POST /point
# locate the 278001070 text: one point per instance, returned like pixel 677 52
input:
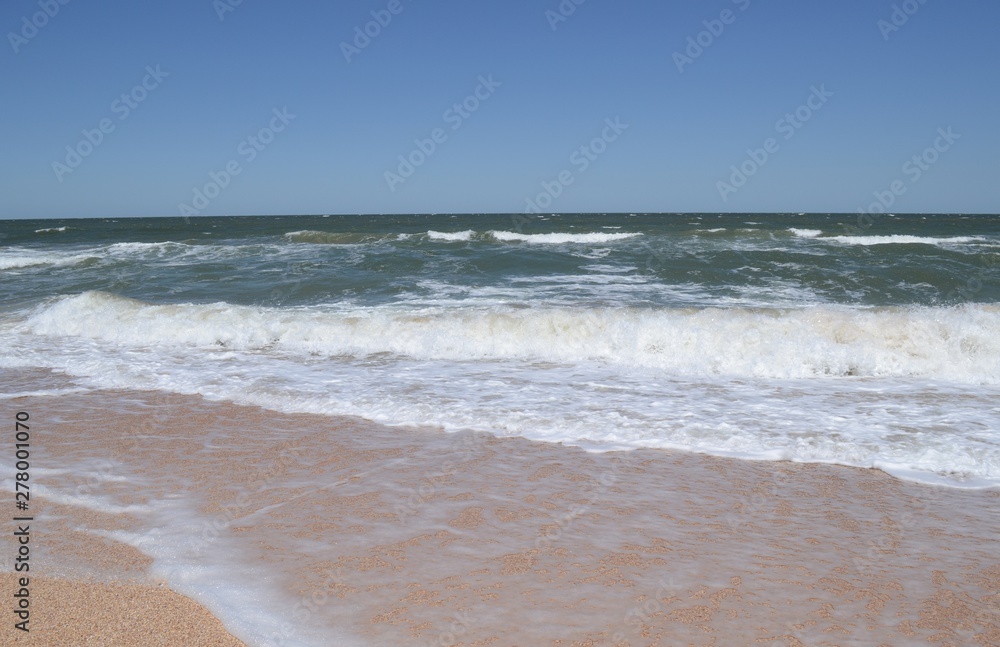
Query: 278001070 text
pixel 22 532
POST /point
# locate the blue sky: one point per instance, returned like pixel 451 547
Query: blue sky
pixel 556 73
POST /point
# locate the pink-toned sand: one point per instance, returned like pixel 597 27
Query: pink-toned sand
pixel 394 536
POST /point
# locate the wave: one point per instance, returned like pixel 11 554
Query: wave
pixel 347 238
pixel 332 238
pixel 13 258
pixel 161 248
pixel 17 262
pixel 960 344
pixel 50 230
pixel 457 236
pixel 806 233
pixel 900 239
pixel 561 238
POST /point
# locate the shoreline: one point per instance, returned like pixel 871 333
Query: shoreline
pixel 415 536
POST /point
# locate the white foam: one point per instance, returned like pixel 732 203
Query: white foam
pixel 806 233
pixel 50 230
pixel 560 238
pixel 610 269
pixel 131 248
pixel 16 258
pixel 960 344
pixel 42 393
pixel 581 280
pixel 863 387
pixel 331 238
pixel 900 239
pixel 216 572
pixel 456 236
pixel 103 504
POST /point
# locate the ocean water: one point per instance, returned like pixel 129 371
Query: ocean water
pixel 823 338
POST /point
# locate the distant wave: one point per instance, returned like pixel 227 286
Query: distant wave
pixel 332 238
pixel 959 344
pixel 899 239
pixel 166 246
pixel 457 236
pixel 50 230
pixel 16 262
pixel 561 238
pixel 541 239
pixel 806 233
pixel 13 258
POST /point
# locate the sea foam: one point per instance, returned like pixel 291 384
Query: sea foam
pixel 827 384
pixel 959 344
pixel 456 236
pixel 899 239
pixel 560 238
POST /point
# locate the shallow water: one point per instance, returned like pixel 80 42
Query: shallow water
pixel 316 530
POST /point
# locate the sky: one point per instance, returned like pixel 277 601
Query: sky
pixel 223 107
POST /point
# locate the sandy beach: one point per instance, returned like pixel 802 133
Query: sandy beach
pixel 74 613
pixel 302 529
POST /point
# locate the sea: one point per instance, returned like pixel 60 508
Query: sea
pixel 856 339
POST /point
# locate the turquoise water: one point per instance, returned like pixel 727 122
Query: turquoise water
pixel 819 338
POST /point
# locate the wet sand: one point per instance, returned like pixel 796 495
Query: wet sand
pixel 356 533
